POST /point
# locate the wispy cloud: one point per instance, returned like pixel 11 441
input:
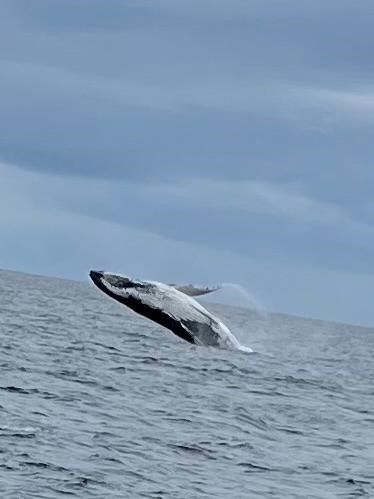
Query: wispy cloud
pixel 181 210
pixel 232 139
pixel 249 197
pixel 338 106
pixel 256 197
pixel 47 226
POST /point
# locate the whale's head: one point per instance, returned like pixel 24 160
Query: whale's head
pixel 117 286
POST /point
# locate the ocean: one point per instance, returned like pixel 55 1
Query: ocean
pixel 97 402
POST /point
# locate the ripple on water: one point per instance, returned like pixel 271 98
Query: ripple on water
pixel 97 402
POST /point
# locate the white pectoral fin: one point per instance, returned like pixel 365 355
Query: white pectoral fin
pixel 245 349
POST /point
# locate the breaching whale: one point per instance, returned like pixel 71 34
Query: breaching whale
pixel 170 306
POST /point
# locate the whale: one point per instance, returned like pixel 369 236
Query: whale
pixel 171 306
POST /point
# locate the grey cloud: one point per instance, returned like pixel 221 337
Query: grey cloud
pixel 252 219
pixel 66 121
pixel 168 94
pixel 124 107
pixel 314 35
pixel 47 239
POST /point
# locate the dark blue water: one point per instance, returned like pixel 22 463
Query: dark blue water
pixel 98 402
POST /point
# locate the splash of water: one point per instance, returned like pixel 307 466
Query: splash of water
pixel 238 295
pixel 234 294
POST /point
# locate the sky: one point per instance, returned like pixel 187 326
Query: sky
pixel 193 141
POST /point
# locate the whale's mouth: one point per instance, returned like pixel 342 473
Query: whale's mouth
pixel 98 279
pixel 107 283
pixel 96 275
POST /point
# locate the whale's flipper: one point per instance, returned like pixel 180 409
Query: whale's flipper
pixel 190 290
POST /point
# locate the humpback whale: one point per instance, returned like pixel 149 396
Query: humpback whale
pixel 170 306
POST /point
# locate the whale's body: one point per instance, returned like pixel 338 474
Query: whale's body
pixel 169 307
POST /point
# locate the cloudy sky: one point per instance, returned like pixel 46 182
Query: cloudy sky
pixel 193 141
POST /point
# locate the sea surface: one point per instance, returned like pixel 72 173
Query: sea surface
pixel 97 402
